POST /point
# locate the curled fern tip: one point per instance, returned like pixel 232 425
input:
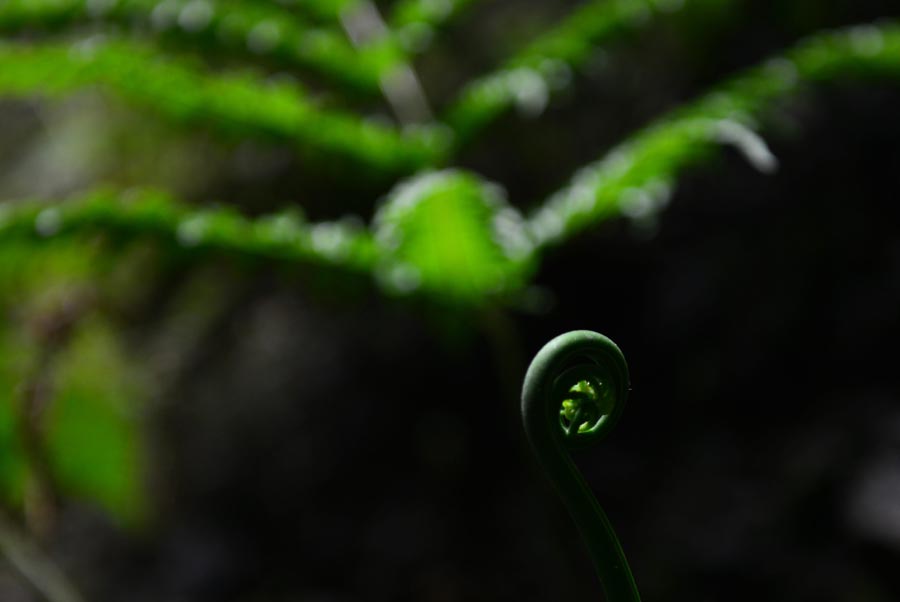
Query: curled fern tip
pixel 574 393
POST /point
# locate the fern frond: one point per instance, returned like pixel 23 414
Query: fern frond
pixel 544 66
pixel 282 237
pixel 447 235
pixel 636 177
pixel 245 27
pixel 451 235
pixel 236 104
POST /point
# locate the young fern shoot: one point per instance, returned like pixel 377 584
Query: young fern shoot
pixel 573 395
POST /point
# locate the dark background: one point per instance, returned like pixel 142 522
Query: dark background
pixel 328 447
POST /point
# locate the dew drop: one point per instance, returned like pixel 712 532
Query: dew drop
pixel 164 14
pixel 191 231
pixel 529 90
pixel 511 235
pixel 748 142
pixel 331 239
pixel 264 37
pixel 195 15
pixel 867 40
pixel 546 225
pixel 636 203
pixel 557 74
pixel 48 222
pixel 284 228
pixel 402 278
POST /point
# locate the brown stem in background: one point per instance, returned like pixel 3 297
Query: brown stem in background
pixel 53 332
pixel 33 565
pixel 400 86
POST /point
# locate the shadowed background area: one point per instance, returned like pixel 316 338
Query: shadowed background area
pixel 184 419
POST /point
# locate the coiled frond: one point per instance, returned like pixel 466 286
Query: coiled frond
pixel 573 395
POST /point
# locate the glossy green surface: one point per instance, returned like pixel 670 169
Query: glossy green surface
pixel 579 379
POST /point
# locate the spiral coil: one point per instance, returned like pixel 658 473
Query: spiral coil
pixel 573 396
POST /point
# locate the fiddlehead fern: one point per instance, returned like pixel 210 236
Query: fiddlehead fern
pixel 573 395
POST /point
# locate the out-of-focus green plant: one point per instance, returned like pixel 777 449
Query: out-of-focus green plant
pixel 252 29
pixel 238 104
pixel 441 233
pixel 55 346
pixel 452 234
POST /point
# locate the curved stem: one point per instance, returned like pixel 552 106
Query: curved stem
pixel 559 373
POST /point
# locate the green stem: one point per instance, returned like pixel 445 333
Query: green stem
pixel 565 362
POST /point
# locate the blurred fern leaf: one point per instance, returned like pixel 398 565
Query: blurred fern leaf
pixel 285 236
pixel 453 235
pixel 545 65
pixel 93 435
pixel 637 177
pixel 236 104
pixel 251 29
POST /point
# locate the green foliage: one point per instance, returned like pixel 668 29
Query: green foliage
pixel 93 421
pixel 236 104
pixel 450 234
pixel 545 66
pixel 444 234
pixel 248 28
pixel 283 237
pixel 637 177
pixel 252 29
